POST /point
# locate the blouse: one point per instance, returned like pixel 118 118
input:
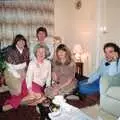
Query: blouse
pixel 64 72
pixel 39 73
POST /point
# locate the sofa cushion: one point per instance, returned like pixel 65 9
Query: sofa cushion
pixel 114 92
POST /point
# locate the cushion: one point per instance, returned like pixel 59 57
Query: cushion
pixel 14 84
pixel 114 92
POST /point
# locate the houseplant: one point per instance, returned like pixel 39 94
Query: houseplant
pixel 2 68
pixel 2 64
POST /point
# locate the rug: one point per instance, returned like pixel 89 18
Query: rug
pixel 30 113
pixel 97 114
pixel 21 113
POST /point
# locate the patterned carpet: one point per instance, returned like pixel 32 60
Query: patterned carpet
pixel 29 113
pixel 22 113
pixel 87 101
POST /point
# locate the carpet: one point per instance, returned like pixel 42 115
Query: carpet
pixel 96 113
pixel 29 113
pixel 105 116
pixel 90 106
pixel 21 113
pixel 92 111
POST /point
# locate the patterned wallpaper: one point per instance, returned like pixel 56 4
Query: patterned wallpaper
pixel 24 17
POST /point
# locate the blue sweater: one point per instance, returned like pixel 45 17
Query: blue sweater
pixel 112 69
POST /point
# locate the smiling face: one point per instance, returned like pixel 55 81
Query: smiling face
pixel 41 36
pixel 20 44
pixel 109 53
pixel 40 54
pixel 61 54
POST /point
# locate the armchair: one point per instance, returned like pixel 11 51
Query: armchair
pixel 109 94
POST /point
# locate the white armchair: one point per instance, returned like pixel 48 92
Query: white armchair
pixel 110 94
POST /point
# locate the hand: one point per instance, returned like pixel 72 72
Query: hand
pixel 115 56
pixel 31 95
pixel 54 76
pixel 56 91
pixel 54 86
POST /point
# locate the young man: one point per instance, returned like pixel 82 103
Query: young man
pixel 110 65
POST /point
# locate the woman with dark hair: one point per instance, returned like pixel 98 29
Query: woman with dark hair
pixel 18 52
pixel 17 59
pixel 110 65
pixel 17 38
pixel 63 73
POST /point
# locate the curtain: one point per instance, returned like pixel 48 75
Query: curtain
pixel 24 17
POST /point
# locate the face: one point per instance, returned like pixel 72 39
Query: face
pixel 41 36
pixel 40 54
pixel 109 54
pixel 20 44
pixel 61 54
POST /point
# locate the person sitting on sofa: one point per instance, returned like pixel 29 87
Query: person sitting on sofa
pixel 110 65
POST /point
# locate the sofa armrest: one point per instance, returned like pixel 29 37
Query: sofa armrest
pixel 108 81
pixel 104 84
pixel 115 80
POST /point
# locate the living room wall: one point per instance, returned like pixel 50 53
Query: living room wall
pixel 77 26
pixel 84 26
pixel 24 17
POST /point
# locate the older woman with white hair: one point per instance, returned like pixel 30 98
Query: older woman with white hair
pixel 38 74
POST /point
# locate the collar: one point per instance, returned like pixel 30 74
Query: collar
pixel 20 50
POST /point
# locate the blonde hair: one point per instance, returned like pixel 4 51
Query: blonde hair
pixel 68 55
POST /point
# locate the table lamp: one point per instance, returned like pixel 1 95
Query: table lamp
pixel 77 52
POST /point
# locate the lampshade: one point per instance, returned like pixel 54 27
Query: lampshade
pixel 84 56
pixel 77 51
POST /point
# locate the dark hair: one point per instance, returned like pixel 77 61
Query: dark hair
pixel 43 29
pixel 114 46
pixel 68 54
pixel 17 38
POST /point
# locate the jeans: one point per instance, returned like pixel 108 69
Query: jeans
pixel 88 88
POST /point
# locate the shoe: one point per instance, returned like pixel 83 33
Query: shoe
pixel 1 108
pixel 42 111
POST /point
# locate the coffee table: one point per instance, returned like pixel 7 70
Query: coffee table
pixel 46 110
pixel 69 112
